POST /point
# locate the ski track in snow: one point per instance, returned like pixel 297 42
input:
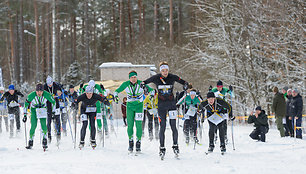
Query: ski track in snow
pixel 277 155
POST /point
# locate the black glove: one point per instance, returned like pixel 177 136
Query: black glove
pixel 24 118
pixel 185 87
pixel 230 88
pixel 65 92
pixel 102 87
pixel 233 118
pixel 177 106
pixel 198 93
pixel 210 88
pixel 81 85
pixel 142 85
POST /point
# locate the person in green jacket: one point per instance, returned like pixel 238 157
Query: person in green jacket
pixel 279 108
pixel 38 105
pixel 190 124
pixel 260 120
pixel 134 107
pixel 101 111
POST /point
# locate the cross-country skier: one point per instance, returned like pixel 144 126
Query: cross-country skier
pixel 152 115
pixel 216 108
pixel 89 107
pixel 51 87
pixel 134 107
pixel 11 97
pixel 38 106
pixel 62 109
pixel 72 96
pixel 164 82
pixel 192 101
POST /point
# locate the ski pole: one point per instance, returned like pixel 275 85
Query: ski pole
pixel 232 128
pixel 70 127
pixel 75 128
pixel 25 133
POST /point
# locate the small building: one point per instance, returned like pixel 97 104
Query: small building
pixel 118 71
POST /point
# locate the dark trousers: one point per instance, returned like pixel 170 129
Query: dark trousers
pixel 91 117
pixel 15 111
pixel 124 121
pixel 150 124
pixel 259 133
pixel 190 126
pixel 163 108
pixel 212 130
pixel 298 128
pixel 288 127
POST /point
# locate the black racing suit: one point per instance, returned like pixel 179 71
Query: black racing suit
pixel 87 112
pixel 13 108
pixel 220 107
pixel 166 103
pixel 52 90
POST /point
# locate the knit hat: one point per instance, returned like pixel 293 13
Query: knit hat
pixel 49 80
pixel 219 83
pixel 39 87
pixel 11 87
pixel 91 83
pixel 258 108
pixel 210 95
pixel 296 90
pixel 89 89
pixel 285 88
pixel 71 86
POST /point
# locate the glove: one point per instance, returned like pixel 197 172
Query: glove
pixel 102 87
pixel 230 88
pixel 81 85
pixel 24 118
pixel 233 118
pixel 65 92
pixel 108 110
pixel 185 87
pixel 116 99
pixel 142 85
pixel 198 93
pixel 177 106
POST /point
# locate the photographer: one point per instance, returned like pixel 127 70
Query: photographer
pixel 260 120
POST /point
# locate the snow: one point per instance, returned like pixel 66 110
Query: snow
pixel 125 65
pixel 277 155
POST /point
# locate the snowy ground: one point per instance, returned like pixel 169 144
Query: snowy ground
pixel 277 155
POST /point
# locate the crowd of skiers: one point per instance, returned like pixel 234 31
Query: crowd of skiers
pixel 51 103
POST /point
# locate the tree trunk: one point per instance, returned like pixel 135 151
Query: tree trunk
pixel 12 61
pixel 179 22
pixel 95 41
pixel 37 77
pixel 21 43
pixel 87 40
pixel 130 23
pixel 53 39
pixel 48 41
pixel 140 18
pixel 43 50
pixel 171 21
pixel 58 52
pixel 74 39
pixel 122 26
pixel 156 21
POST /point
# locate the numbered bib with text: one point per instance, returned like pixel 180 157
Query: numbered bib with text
pixel 57 111
pixel 62 104
pixel 191 111
pixel 173 114
pixel 91 109
pixel 139 116
pixel 11 116
pixel 41 112
pixel 153 111
pixel 215 118
pixel 84 117
pixel 64 110
pixel 99 116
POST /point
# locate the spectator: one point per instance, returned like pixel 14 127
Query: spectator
pixel 123 109
pixel 288 125
pixel 279 108
pixel 297 109
pixel 260 120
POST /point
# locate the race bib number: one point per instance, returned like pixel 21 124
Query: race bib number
pixel 153 111
pixel 13 104
pixel 99 116
pixel 91 109
pixel 64 110
pixel 191 111
pixel 173 114
pixel 84 117
pixel 41 112
pixel 186 116
pixel 215 119
pixel 62 104
pixel 11 116
pixel 139 116
pixel 57 111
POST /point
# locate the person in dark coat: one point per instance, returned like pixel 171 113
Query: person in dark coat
pixel 260 120
pixel 297 109
pixel 279 108
pixel 288 125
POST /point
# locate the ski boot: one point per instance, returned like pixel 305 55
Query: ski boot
pixel 223 149
pixel 210 149
pixel 162 152
pixel 44 143
pixel 196 140
pixel 49 138
pixel 138 144
pixel 187 140
pixel 81 145
pixel 93 144
pixel 131 146
pixel 30 145
pixel 176 150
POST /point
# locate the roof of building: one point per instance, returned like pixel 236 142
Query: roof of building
pixel 125 65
